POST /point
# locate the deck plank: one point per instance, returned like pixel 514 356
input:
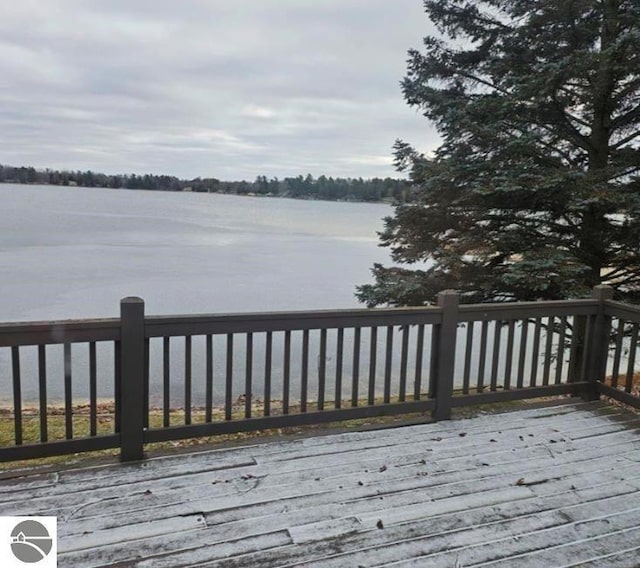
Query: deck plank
pixel 404 478
pixel 335 552
pixel 537 486
pixel 192 476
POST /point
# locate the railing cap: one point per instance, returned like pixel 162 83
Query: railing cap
pixel 448 298
pixel 602 292
pixel 132 300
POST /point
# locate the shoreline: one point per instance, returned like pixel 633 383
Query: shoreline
pixel 232 194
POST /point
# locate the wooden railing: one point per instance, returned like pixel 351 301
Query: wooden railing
pixel 41 338
pixel 121 385
pixel 617 343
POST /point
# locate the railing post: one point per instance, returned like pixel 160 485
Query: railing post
pixel 132 378
pixel 599 347
pixel 445 355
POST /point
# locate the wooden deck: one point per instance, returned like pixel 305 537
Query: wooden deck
pixel 539 487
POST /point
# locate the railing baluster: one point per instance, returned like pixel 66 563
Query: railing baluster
pixel 468 350
pixel 248 387
pixel 286 372
pixel 322 368
pixel 573 348
pixel 536 352
pixel 404 354
pixel 93 388
pixel 497 331
pixel 560 352
pixel 228 386
pixel 617 354
pixel 304 387
pixel 355 379
pixel 631 363
pixel 388 360
pixel 373 351
pixel 17 395
pixel 117 378
pixel 482 360
pixel 208 411
pixel 417 385
pixel 145 393
pixel 166 381
pixel 433 359
pixel 339 355
pixel 586 353
pixel 522 353
pixel 547 350
pixel 509 362
pixel 42 388
pixel 187 379
pixel 68 398
pixel 268 350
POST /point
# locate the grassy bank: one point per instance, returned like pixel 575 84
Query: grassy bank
pixel 105 424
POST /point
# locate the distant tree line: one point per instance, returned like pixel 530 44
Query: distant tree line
pixel 300 187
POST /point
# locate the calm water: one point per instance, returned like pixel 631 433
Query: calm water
pixel 75 252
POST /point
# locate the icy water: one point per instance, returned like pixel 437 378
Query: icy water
pixel 75 252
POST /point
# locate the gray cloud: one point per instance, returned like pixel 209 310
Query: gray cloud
pixel 216 88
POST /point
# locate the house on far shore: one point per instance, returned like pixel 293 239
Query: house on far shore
pixel 188 188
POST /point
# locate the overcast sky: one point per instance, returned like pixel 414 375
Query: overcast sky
pixel 212 88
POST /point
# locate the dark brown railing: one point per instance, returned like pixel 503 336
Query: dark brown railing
pixel 249 372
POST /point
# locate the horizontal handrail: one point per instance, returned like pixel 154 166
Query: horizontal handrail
pixel 57 332
pixel 60 447
pixel 522 310
pixel 282 421
pixel 619 395
pixel 627 312
pixel 519 394
pixel 205 324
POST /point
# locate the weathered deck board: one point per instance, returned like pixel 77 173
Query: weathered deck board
pixel 405 492
pixel 544 486
pixel 188 476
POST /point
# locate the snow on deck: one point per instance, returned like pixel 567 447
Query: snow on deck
pixel 552 486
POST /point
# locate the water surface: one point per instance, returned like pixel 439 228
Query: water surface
pixel 75 252
pixel 69 252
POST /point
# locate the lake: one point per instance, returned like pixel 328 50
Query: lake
pixel 69 252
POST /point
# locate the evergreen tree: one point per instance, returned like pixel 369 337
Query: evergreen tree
pixel 535 190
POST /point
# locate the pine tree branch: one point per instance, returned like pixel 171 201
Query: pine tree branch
pixel 626 119
pixel 622 270
pixel 574 134
pixel 629 280
pixel 630 88
pixel 570 116
pixel 626 140
pixel 484 82
pixel 625 173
